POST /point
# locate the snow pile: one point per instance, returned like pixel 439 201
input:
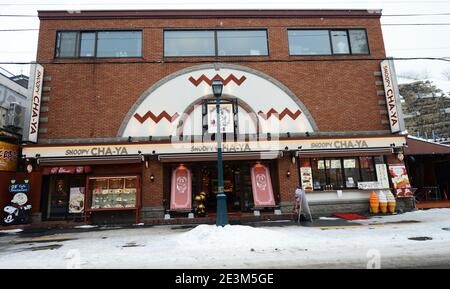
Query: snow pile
pixel 14 231
pixel 230 236
pixel 85 227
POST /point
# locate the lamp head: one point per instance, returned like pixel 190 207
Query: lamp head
pixel 217 87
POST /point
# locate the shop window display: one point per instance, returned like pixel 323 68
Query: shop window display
pixel 113 192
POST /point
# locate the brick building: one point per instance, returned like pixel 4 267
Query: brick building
pixel 127 115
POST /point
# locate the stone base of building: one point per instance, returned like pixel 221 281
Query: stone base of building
pixel 326 209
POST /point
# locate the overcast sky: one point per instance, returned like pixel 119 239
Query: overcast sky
pixel 400 41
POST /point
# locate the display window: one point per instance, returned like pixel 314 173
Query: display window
pixel 113 192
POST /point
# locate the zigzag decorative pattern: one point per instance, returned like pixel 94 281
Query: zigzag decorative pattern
pixel 225 81
pixel 280 116
pixel 155 118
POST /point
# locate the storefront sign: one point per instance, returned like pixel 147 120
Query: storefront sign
pixel 66 170
pixel 8 156
pixel 226 118
pixel 98 151
pixel 181 190
pixel 369 185
pixel 17 209
pixel 340 144
pixel 382 175
pixel 76 200
pixel 391 94
pixel 262 186
pixel 19 188
pixel 175 147
pixel 36 103
pixel 306 177
pixel 400 181
pixel 238 147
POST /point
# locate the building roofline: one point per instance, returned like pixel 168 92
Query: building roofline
pixel 170 14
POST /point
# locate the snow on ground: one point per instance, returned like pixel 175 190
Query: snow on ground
pixel 85 227
pixel 235 246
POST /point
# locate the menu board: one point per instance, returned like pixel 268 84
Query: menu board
pixel 306 177
pixel 76 200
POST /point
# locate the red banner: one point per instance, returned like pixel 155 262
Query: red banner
pixel 400 181
pixel 66 170
pixel 181 189
pixel 262 186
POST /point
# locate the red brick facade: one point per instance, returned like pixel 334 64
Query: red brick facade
pixel 91 100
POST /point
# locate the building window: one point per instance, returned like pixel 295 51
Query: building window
pixel 215 43
pixel 87 45
pixel 339 39
pixel 351 172
pixel 327 41
pixel 309 42
pixel 242 42
pixel 189 43
pixel 358 41
pixel 119 44
pixel 339 173
pixel 368 173
pixel 67 44
pixel 99 44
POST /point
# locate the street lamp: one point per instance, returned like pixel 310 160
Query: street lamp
pixel 222 215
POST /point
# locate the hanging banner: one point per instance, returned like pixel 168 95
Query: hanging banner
pixel 262 186
pixel 181 190
pixel 306 177
pixel 392 96
pixel 36 98
pixel 8 156
pixel 400 181
pixel 226 118
pixel 76 200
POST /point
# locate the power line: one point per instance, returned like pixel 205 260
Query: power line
pixel 247 27
pixel 75 62
pixel 384 15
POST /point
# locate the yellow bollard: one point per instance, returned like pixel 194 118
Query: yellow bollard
pixel 391 203
pixel 383 202
pixel 374 203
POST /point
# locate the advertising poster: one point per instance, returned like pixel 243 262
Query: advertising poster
pixel 181 189
pixel 8 156
pixel 262 186
pixel 306 177
pixel 76 200
pixel 226 118
pixel 400 181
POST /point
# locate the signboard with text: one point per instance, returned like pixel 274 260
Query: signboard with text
pixel 36 99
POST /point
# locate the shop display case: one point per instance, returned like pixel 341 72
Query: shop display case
pixel 113 193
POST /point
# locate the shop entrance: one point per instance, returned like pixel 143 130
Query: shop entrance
pixel 57 198
pixel 237 183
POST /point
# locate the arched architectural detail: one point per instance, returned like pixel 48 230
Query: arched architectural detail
pixel 158 110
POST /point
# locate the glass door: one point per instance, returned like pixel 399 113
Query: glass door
pixel 58 197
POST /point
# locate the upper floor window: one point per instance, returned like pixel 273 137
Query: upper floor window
pixel 328 42
pixel 99 44
pixel 215 43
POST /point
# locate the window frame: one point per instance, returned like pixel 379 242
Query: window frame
pixel 96 31
pixel 347 30
pixel 216 41
pixel 343 176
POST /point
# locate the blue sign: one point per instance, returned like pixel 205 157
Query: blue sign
pixel 19 188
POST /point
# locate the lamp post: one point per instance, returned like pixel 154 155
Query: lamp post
pixel 222 215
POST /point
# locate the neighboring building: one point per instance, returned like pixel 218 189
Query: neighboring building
pixel 127 120
pixel 428 166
